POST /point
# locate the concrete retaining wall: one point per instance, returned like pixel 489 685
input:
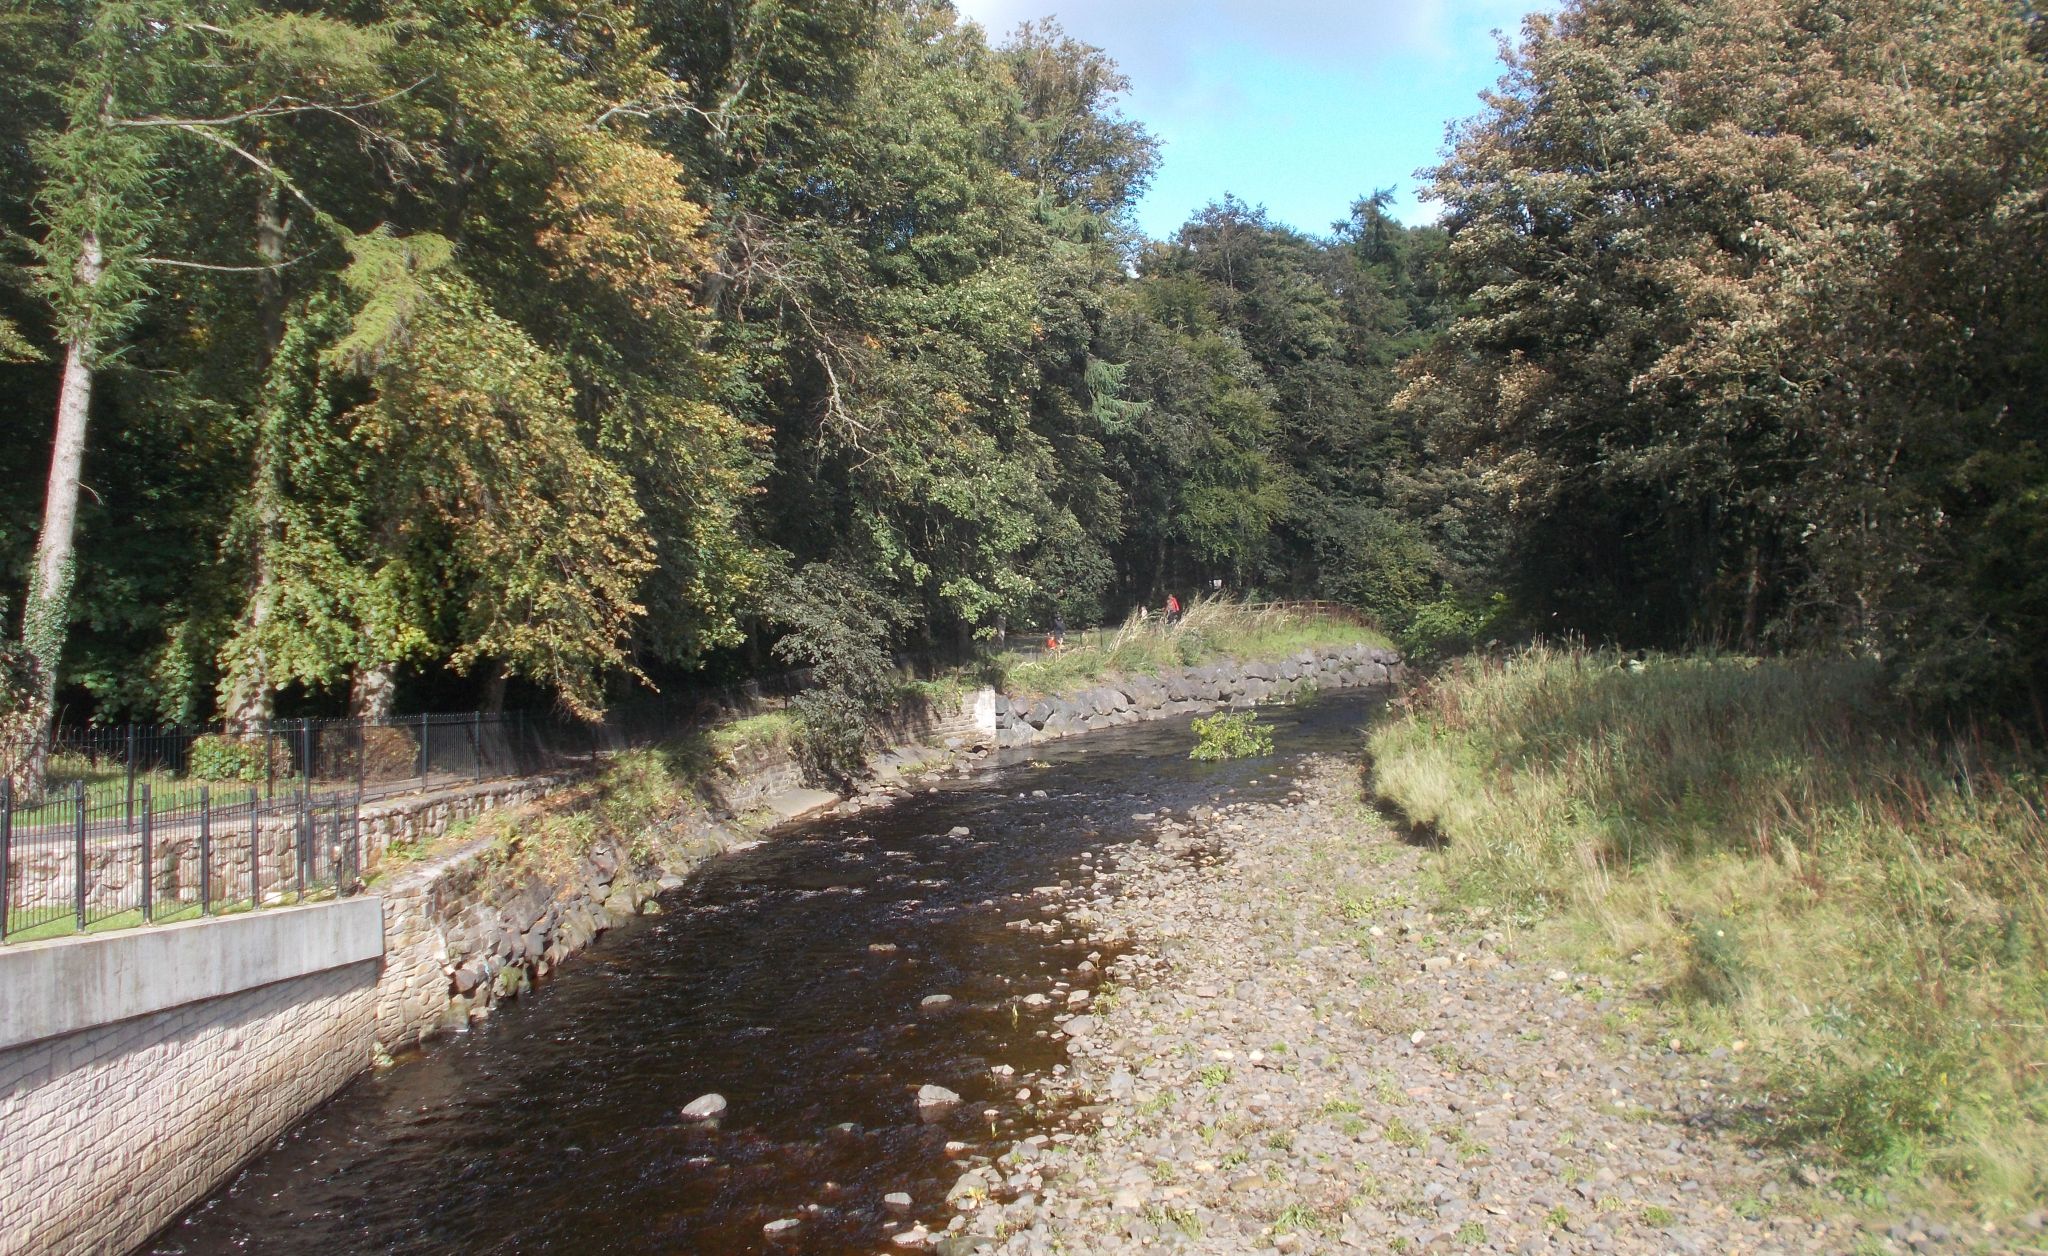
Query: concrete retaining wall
pixel 140 1068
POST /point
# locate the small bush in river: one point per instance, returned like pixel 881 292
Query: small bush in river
pixel 1236 735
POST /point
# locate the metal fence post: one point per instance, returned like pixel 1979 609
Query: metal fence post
pixel 476 741
pixel 78 839
pixel 362 753
pixel 131 776
pixel 269 759
pixel 255 851
pixel 148 861
pixel 424 760
pixel 6 842
pixel 205 850
pixel 305 760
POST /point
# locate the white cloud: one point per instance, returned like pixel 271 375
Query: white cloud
pixel 1158 41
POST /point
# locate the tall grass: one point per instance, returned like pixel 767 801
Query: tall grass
pixel 1857 906
pixel 1209 629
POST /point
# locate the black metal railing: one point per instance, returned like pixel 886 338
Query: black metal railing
pixel 141 824
pixel 77 860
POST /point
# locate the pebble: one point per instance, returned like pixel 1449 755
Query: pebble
pixel 704 1108
pixel 1297 1035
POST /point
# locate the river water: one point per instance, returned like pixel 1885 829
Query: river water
pixel 553 1127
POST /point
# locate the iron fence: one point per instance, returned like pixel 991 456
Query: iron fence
pixel 143 824
pixel 73 862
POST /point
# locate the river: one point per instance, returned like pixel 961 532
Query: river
pixel 554 1126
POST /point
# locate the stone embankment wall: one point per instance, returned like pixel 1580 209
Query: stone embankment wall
pixel 138 1069
pixel 1021 720
pixel 472 927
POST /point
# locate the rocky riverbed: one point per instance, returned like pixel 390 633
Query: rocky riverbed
pixel 1289 1053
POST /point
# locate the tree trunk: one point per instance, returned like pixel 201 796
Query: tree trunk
pixel 45 612
pixel 247 701
pixel 1751 595
pixel 494 689
pixel 374 692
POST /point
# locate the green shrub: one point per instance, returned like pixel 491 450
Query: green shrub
pixel 1450 626
pixel 1231 735
pixel 229 757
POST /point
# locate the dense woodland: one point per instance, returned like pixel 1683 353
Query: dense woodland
pixel 417 353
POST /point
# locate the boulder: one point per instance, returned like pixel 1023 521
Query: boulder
pixel 934 1102
pixel 705 1108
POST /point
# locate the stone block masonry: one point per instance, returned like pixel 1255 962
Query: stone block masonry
pixel 140 1068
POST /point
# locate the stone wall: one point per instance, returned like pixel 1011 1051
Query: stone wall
pixel 1022 719
pixel 112 1126
pixel 471 928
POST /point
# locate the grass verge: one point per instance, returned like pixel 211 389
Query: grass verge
pixel 1857 907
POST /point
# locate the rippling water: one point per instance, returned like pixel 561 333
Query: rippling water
pixel 553 1127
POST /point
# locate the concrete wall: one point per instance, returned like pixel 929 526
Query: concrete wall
pixel 140 1068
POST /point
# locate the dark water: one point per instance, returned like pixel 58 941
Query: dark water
pixel 553 1127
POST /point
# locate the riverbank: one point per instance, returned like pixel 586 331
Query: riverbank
pixel 477 914
pixel 1296 1054
pixel 1775 856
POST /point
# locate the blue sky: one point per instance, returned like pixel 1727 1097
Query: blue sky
pixel 1299 105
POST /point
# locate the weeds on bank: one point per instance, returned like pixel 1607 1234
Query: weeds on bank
pixel 1857 906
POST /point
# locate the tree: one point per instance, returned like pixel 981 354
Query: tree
pixel 1752 295
pixel 134 83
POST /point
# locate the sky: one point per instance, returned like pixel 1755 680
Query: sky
pixel 1302 106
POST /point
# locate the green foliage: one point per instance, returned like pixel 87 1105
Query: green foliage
pixel 1209 629
pixel 227 757
pixel 840 629
pixel 1750 340
pixel 1231 735
pixel 1450 625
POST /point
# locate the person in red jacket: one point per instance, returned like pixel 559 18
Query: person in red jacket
pixel 1172 609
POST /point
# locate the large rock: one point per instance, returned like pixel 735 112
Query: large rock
pixel 705 1108
pixel 934 1102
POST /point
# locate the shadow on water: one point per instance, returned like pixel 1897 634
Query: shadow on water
pixel 554 1126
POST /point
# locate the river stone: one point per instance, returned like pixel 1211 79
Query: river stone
pixel 933 1002
pixel 706 1108
pixel 897 1202
pixel 1078 1026
pixel 934 1102
pixel 785 1228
